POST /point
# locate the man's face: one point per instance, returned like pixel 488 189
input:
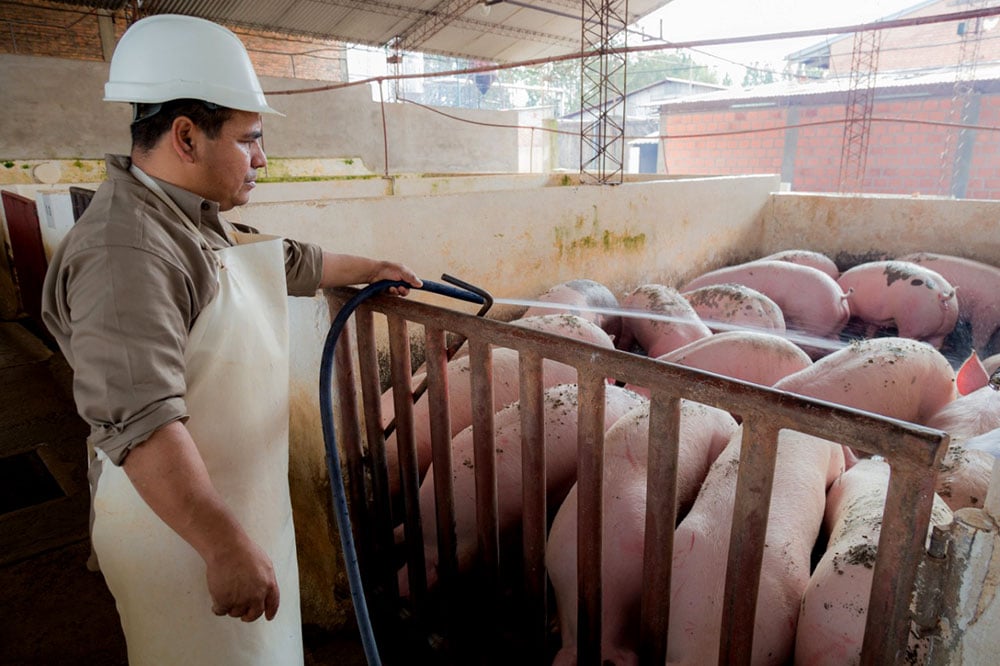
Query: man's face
pixel 232 159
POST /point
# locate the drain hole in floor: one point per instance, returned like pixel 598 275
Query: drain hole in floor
pixel 26 481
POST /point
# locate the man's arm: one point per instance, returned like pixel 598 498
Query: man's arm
pixel 170 476
pixel 343 269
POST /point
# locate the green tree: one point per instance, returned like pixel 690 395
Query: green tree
pixel 757 74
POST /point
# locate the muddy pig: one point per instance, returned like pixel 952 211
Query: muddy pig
pixel 810 300
pixel 918 302
pixel 727 307
pixel 671 323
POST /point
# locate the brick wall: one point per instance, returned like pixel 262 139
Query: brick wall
pixel 61 31
pixel 922 46
pixel 920 156
pixel 51 29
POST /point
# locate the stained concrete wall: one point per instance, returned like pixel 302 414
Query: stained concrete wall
pixel 518 242
pixel 53 109
pixel 852 228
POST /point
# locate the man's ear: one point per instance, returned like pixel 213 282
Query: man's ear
pixel 183 135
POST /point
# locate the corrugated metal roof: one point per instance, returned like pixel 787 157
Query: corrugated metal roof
pixel 491 30
pixel 887 84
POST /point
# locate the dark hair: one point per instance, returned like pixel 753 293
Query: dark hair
pixel 155 123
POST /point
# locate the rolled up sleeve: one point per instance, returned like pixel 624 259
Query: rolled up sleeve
pixel 129 313
pixel 303 267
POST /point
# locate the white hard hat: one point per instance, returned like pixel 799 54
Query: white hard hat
pixel 168 56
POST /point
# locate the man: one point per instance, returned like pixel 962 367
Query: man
pixel 175 324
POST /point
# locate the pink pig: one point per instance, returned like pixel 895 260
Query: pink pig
pixel 973 422
pixel 727 307
pixel 671 323
pixel 705 431
pixel 506 386
pixel 810 300
pixel 817 260
pixel 977 287
pixel 584 298
pixel 919 302
pixel 760 358
pixel 896 377
pixel 560 415
pixel 835 605
pixel 804 468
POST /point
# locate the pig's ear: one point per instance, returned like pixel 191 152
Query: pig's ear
pixel 972 375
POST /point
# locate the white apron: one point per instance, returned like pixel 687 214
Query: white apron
pixel 237 399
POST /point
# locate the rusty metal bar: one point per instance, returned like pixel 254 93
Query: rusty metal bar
pixel 381 503
pixel 484 459
pixel 349 439
pixel 907 512
pixel 399 347
pixel 533 481
pixel 748 533
pixel 440 422
pixel 590 481
pixel 661 518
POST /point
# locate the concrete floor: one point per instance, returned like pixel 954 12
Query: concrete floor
pixel 53 610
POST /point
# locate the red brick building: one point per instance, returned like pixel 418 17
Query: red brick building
pixel 58 30
pixel 935 126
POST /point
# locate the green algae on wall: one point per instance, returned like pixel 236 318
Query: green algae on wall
pixel 580 238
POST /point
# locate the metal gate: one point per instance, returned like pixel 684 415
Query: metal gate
pixel 913 453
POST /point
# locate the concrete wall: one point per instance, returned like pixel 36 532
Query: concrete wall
pixel 850 228
pixel 518 242
pixel 53 109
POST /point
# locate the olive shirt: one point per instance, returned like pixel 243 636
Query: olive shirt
pixel 123 290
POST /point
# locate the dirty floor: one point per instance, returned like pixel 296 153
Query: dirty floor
pixel 52 609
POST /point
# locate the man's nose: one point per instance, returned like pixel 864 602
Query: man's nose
pixel 258 160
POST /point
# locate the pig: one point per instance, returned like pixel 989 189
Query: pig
pixel 506 386
pixel 760 358
pixel 991 363
pixel 805 467
pixel 560 416
pixel 584 298
pixel 810 300
pixel 895 377
pixel 972 421
pixel 835 605
pixel 725 307
pixel 816 260
pixel 917 301
pixel 671 323
pixel 977 287
pixel 704 432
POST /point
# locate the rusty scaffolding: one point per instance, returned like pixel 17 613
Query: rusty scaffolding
pixel 602 92
pixel 858 116
pixel 964 108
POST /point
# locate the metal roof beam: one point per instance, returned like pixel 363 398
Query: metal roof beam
pixel 437 18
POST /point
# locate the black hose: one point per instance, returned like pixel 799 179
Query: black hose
pixel 339 495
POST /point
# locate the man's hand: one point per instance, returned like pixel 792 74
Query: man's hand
pixel 170 476
pixel 388 270
pixel 340 270
pixel 242 583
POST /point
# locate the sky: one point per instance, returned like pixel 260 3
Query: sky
pixel 686 20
